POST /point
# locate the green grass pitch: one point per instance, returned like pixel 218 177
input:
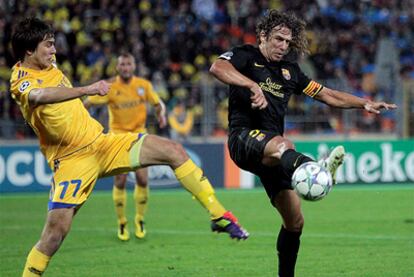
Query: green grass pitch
pixel 355 231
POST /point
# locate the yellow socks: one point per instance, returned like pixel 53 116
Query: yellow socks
pixel 36 263
pixel 120 197
pixel 192 179
pixel 141 202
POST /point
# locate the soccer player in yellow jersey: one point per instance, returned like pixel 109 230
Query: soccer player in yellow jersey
pixel 127 104
pixel 77 150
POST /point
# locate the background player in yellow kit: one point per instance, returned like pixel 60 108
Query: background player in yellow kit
pixel 127 105
pixel 77 150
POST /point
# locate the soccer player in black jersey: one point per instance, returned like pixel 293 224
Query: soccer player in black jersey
pixel 260 84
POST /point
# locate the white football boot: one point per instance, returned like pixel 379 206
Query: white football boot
pixel 333 161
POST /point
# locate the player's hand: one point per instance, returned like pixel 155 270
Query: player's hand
pixel 375 107
pixel 258 99
pixel 98 88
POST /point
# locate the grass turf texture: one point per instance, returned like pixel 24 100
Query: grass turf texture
pixel 355 231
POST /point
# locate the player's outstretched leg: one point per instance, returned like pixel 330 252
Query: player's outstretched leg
pixel 333 161
pixel 157 150
pixel 193 180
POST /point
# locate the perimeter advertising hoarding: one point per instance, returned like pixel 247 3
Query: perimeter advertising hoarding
pixel 369 161
pixel 24 169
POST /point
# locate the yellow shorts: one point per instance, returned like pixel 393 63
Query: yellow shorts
pixel 75 175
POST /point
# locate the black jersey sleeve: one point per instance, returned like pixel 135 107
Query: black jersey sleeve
pixel 238 56
pixel 306 85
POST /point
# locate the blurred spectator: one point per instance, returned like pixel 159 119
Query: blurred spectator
pixel 357 44
pixel 181 121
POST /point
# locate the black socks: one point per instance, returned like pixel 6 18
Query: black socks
pixel 291 160
pixel 287 246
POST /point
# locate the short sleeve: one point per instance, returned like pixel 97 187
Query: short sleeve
pixel 21 88
pixel 238 56
pixel 152 96
pixel 98 99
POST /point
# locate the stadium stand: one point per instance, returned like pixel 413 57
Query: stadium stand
pixel 359 46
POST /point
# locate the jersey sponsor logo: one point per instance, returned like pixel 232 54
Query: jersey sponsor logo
pixel 126 105
pixel 272 88
pixel 286 74
pixel 140 91
pixel 24 86
pixel 258 65
pixel 227 55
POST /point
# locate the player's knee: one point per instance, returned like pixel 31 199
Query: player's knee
pixel 177 153
pixel 142 183
pixel 59 228
pixel 284 144
pixel 53 236
pixel 277 146
pixel 120 181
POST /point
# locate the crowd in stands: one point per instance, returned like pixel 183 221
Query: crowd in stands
pixel 175 42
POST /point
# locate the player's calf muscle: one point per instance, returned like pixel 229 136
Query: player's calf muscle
pixel 157 150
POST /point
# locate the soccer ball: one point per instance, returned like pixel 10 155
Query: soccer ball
pixel 311 181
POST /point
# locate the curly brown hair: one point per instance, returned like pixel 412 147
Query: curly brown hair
pixel 274 18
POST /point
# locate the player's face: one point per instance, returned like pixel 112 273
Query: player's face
pixel 43 55
pixel 126 67
pixel 276 45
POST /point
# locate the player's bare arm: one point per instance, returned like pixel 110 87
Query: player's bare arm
pixel 160 111
pixel 41 96
pixel 345 100
pixel 225 72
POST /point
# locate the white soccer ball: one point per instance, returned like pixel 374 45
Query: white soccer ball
pixel 311 181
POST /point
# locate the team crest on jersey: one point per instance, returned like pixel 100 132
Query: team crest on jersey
pixel 140 91
pixel 24 86
pixel 286 74
pixel 39 81
pixel 227 55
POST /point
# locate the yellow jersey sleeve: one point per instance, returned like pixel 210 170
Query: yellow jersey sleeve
pixel 21 87
pixel 98 100
pixel 152 96
pixel 62 128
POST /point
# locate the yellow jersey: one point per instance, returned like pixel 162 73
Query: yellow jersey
pixel 127 104
pixel 62 128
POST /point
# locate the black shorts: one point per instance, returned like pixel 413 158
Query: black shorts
pixel 246 147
